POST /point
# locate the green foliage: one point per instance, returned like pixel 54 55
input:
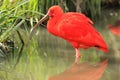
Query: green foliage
pixel 92 8
pixel 13 14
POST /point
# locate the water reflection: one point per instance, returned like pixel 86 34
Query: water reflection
pixel 82 71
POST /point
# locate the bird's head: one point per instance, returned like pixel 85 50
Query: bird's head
pixel 53 11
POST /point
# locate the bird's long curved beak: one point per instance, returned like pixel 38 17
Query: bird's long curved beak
pixel 39 22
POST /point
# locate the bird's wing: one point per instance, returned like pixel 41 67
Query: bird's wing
pixel 76 26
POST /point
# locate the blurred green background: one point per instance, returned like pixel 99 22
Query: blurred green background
pixel 45 55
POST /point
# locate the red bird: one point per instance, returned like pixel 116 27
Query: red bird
pixel 74 27
pixel 115 28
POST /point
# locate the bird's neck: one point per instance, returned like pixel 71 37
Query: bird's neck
pixel 52 24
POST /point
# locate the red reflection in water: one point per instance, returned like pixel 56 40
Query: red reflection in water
pixel 82 71
pixel 115 28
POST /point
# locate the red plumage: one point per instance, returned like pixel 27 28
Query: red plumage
pixel 74 27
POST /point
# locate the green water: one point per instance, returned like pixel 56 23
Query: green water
pixel 45 55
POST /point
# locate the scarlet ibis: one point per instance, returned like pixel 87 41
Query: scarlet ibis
pixel 115 28
pixel 74 27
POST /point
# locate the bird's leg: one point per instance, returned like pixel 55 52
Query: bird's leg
pixel 77 55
